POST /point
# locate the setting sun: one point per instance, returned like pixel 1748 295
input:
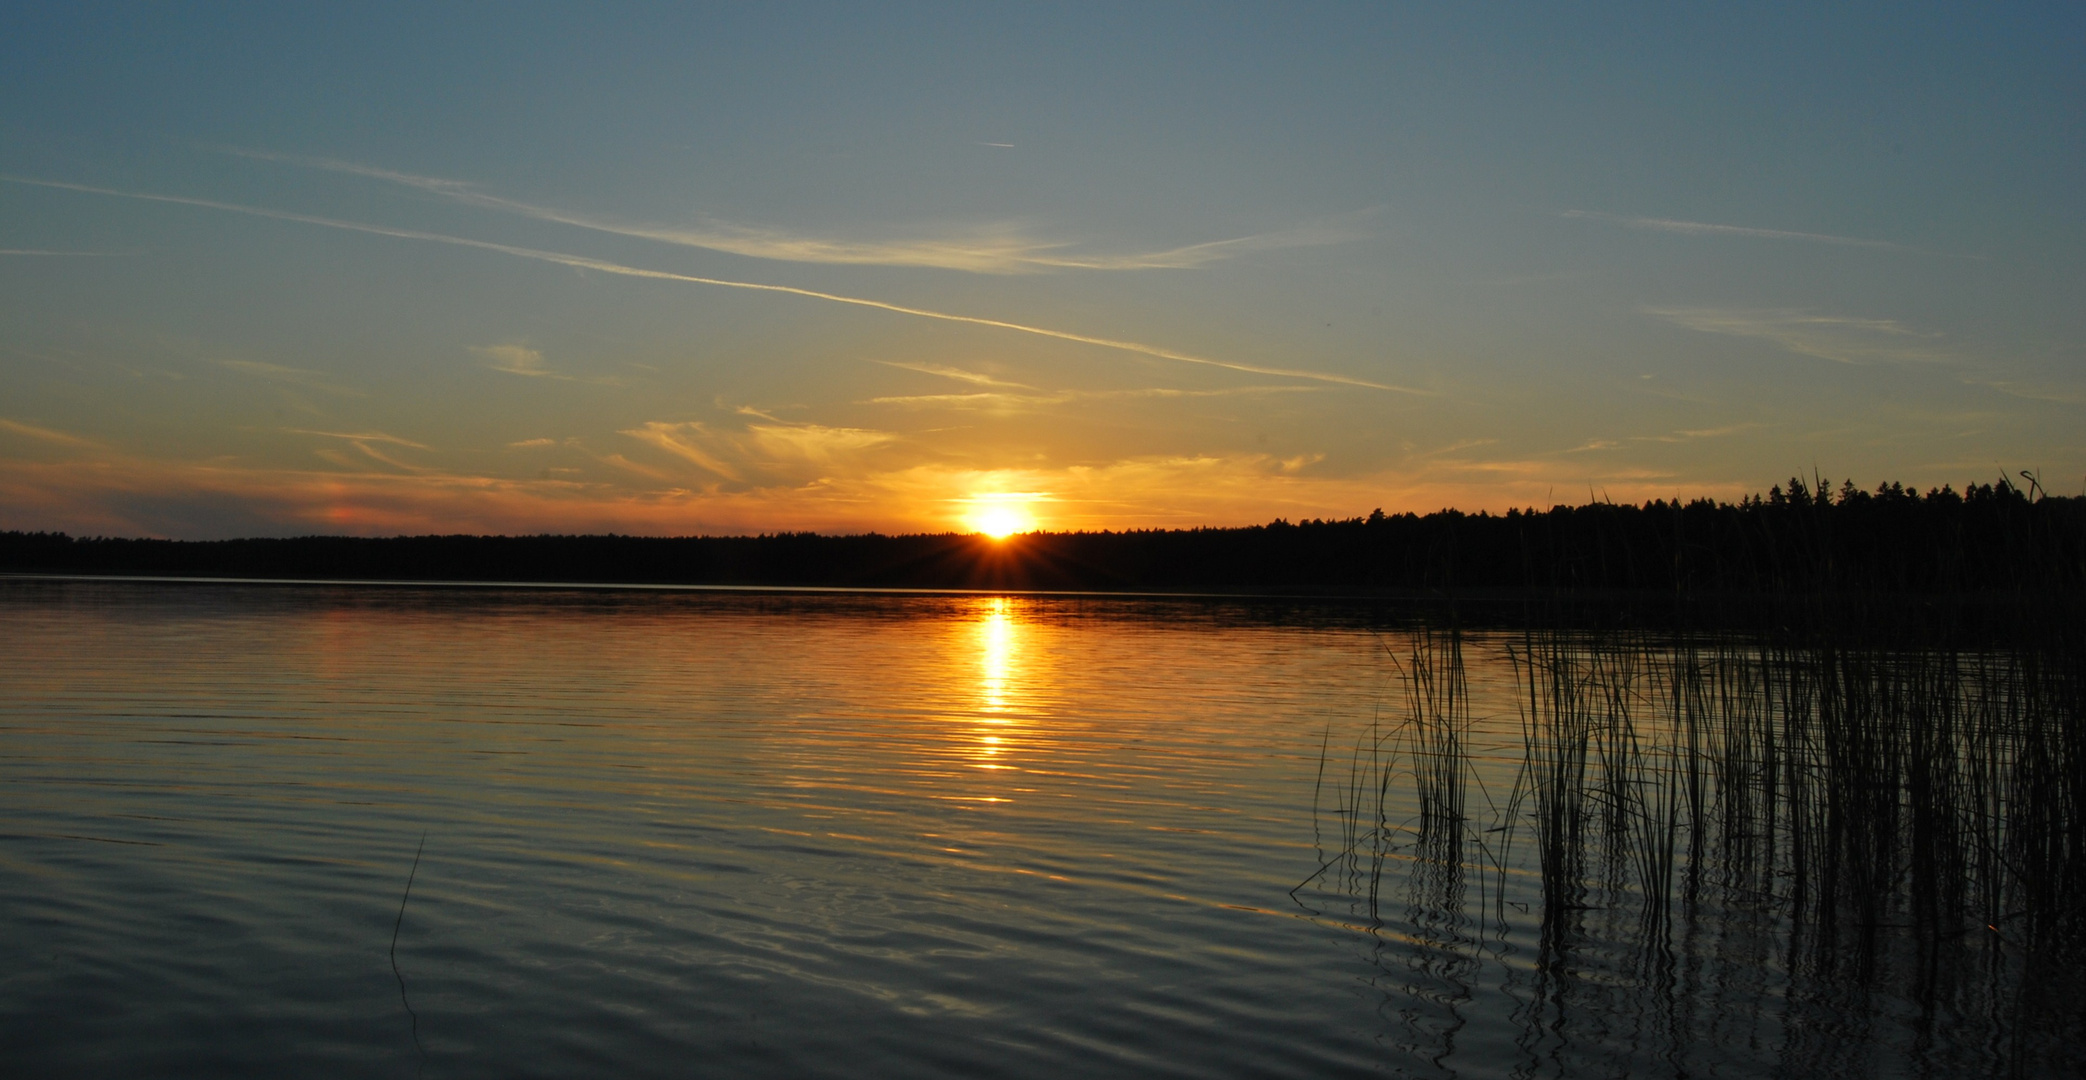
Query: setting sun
pixel 999 523
pixel 1001 515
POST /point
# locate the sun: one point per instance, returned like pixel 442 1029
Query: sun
pixel 998 522
pixel 1001 515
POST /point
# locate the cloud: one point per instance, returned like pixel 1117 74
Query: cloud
pixel 2031 391
pixel 516 360
pixel 766 452
pixel 1699 228
pixel 521 360
pixel 1708 433
pixel 683 440
pixel 958 374
pixel 381 457
pixel 583 263
pixel 295 376
pixel 361 441
pixel 1298 463
pixel 43 251
pixel 784 439
pixel 44 434
pixel 993 401
pixel 1671 437
pixel 1841 339
pixel 118 494
pixel 813 442
pixel 627 465
pixel 1175 392
pixel 122 495
pixel 574 445
pixel 360 436
pixel 987 400
pixel 1460 444
pixel 1000 400
pixel 998 250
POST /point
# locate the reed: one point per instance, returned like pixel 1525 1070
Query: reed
pixel 1844 783
pixel 1866 780
pixel 1424 746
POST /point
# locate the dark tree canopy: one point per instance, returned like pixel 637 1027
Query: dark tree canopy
pixel 1797 538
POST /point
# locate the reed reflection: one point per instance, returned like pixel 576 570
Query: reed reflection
pixel 1723 826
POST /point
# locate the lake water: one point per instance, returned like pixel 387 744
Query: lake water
pixel 796 835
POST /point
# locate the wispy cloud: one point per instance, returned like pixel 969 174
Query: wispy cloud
pixel 44 434
pixel 361 443
pixel 2031 391
pixel 359 436
pixel 1670 437
pixel 629 466
pixel 813 442
pixel 377 455
pixel 119 494
pixel 997 401
pixel 998 250
pixel 578 446
pixel 1702 228
pixel 1176 392
pixel 314 380
pixel 985 399
pixel 1000 399
pixel 766 451
pixel 583 263
pixel 1454 447
pixel 959 374
pixel 683 440
pixel 1707 433
pixel 1844 339
pixel 516 360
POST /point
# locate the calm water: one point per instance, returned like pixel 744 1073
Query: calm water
pixel 735 835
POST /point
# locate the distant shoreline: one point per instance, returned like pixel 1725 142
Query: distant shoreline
pixel 1990 538
pixel 667 587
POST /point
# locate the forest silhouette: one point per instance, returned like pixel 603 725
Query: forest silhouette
pixel 1800 537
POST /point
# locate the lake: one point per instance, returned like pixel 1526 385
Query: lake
pixel 768 834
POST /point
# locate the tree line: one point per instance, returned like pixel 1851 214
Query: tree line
pixel 1798 538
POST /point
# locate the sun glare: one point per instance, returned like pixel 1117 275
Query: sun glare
pixel 998 523
pixel 1001 516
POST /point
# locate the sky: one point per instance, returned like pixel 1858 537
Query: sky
pixel 519 268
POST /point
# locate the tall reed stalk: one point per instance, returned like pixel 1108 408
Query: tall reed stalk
pixel 1863 789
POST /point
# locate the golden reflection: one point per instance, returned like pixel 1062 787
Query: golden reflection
pixel 999 645
pixel 1001 683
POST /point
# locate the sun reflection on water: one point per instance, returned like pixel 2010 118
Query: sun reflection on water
pixel 998 642
pixel 999 691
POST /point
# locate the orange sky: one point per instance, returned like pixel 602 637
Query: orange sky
pixel 727 272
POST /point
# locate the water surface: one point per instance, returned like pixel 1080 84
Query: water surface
pixel 751 835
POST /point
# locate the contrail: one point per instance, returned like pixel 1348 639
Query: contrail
pixel 584 263
pixel 989 254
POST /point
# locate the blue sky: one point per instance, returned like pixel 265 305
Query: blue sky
pixel 535 268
